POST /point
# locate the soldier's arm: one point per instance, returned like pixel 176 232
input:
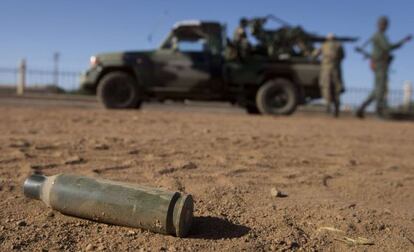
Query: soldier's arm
pixel 396 45
pixel 389 47
pixel 382 42
pixel 402 42
pixel 316 53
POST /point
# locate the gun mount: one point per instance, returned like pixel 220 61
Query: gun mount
pixel 287 40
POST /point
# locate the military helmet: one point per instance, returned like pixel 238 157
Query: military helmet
pixel 243 21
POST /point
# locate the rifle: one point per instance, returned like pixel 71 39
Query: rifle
pixel 367 55
pixel 361 50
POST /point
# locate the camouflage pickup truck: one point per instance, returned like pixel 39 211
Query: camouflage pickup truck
pixel 191 64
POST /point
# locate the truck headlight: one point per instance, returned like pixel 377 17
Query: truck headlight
pixel 94 61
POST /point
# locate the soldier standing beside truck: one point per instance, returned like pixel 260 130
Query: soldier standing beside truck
pixel 330 79
pixel 380 61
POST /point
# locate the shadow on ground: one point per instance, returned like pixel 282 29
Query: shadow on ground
pixel 207 227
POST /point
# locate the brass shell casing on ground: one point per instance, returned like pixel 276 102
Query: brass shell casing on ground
pixel 114 202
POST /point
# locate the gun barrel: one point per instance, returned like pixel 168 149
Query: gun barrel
pixel 347 39
pixel 337 38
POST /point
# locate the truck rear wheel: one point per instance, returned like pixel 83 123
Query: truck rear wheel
pixel 118 90
pixel 277 97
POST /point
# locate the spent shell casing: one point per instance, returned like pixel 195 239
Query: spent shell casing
pixel 114 202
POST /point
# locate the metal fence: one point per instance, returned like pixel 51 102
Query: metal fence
pixel 8 76
pixel 37 78
pixel 354 96
pixel 50 80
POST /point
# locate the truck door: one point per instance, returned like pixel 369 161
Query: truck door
pixel 184 68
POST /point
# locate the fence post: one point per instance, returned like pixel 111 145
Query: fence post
pixel 56 57
pixel 22 77
pixel 408 91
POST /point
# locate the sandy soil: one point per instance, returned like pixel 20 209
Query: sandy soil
pixel 344 178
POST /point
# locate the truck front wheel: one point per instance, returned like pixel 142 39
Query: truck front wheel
pixel 118 90
pixel 277 97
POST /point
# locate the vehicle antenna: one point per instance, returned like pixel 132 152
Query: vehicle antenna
pixel 157 25
pixel 278 20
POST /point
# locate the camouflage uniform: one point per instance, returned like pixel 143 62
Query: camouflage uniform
pixel 380 60
pixel 330 80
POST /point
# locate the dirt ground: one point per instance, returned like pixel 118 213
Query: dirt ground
pixel 343 178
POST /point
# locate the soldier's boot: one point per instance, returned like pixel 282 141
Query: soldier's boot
pixel 360 113
pixel 336 111
pixel 383 113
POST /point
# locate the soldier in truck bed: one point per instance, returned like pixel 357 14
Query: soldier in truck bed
pixel 240 39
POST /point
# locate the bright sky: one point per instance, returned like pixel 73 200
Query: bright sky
pixel 79 29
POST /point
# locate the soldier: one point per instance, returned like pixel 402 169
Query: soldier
pixel 380 60
pixel 240 39
pixel 330 78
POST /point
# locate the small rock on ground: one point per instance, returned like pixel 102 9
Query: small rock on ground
pixel 21 223
pixel 90 247
pixel 277 193
pixel 74 160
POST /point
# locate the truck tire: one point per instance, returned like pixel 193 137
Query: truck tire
pixel 118 90
pixel 277 97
